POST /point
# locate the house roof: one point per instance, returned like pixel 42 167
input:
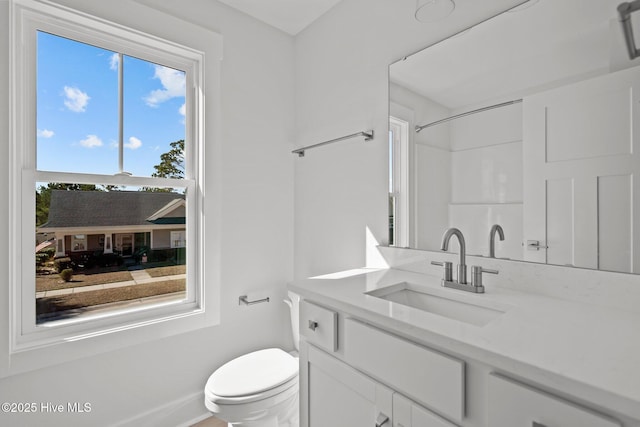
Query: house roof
pixel 108 209
pixel 173 207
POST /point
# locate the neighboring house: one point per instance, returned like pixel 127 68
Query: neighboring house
pixel 120 222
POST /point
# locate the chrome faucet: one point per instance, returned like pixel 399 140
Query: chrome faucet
pixel 462 267
pixel 492 239
pixel 476 285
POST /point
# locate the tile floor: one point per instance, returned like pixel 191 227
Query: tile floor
pixel 211 422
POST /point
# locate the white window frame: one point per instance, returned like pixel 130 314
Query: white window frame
pixel 75 239
pixel 178 239
pixel 399 176
pixel 117 327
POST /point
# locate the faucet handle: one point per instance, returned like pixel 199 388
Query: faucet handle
pixel 448 269
pixel 476 275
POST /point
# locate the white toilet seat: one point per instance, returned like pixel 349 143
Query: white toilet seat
pixel 253 374
pixel 253 382
pixel 248 412
pixel 291 386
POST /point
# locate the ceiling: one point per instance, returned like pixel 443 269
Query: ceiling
pixel 290 16
pixel 548 44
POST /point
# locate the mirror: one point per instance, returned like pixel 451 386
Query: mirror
pixel 527 120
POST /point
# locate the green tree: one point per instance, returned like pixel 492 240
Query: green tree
pixel 171 166
pixel 172 162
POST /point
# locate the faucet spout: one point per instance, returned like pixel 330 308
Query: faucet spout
pixel 492 239
pixel 462 267
pixel 447 237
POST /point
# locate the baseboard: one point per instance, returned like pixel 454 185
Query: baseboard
pixel 182 412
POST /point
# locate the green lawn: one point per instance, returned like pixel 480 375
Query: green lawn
pixel 105 296
pixel 81 300
pixel 52 282
pixel 170 270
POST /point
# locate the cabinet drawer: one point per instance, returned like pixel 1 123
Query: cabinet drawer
pixel 426 376
pixel 514 404
pixel 319 325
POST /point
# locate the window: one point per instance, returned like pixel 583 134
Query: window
pixel 398 182
pixel 78 243
pixel 178 239
pixel 108 138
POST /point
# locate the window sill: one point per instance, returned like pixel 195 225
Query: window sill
pixel 29 353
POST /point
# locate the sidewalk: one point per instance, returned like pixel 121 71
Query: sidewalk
pixel 139 277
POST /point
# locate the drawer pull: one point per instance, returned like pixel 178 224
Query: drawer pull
pixel 313 325
pixel 383 419
pixel 536 424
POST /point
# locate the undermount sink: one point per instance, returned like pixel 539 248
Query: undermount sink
pixel 439 302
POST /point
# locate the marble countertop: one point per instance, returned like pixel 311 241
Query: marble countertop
pixel 586 351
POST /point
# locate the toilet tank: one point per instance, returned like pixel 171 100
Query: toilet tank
pixel 293 301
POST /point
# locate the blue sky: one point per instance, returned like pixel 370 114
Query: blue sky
pixel 77 109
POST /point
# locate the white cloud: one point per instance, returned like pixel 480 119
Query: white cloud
pixel 183 112
pixel 91 141
pixel 173 85
pixel 76 100
pixel 45 133
pixel 134 143
pixel 114 60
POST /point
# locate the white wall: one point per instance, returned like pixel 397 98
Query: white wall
pixel 430 166
pixel 487 179
pixel 255 168
pixel 341 87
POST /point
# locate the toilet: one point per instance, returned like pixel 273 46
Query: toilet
pixel 258 389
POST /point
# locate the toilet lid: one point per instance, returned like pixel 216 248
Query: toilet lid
pixel 253 373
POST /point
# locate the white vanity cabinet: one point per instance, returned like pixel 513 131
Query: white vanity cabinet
pixel 340 396
pixel 432 378
pixel 354 373
pixel 333 393
pixel 512 404
pixel 338 388
pixel 409 414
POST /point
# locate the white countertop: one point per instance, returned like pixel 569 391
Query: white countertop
pixel 586 351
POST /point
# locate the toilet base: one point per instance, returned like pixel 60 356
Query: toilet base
pixel 272 422
pixel 283 414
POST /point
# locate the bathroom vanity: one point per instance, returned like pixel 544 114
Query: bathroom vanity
pixel 527 121
pixel 394 348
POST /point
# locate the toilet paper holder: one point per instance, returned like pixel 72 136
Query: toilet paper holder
pixel 244 299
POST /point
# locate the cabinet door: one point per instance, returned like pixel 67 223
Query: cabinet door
pixel 409 414
pixel 340 396
pixel 516 405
